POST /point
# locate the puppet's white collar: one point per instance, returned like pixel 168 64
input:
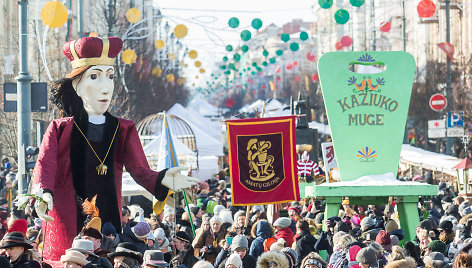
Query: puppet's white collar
pixel 97 119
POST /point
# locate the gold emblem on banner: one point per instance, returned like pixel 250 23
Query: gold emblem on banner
pixel 260 162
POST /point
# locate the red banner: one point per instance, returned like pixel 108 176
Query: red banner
pixel 263 161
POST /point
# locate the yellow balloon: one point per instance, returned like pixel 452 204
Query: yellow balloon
pixel 159 44
pixel 133 15
pixel 128 56
pixel 180 81
pixel 198 63
pixel 156 71
pixel 54 14
pixel 172 56
pixel 193 54
pixel 202 70
pixel 196 77
pixel 181 63
pixel 170 78
pixel 180 31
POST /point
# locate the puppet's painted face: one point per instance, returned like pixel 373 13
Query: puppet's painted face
pixel 95 88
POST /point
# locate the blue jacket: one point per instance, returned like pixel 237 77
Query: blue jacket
pixel 263 231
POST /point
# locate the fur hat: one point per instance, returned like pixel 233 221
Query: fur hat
pixel 272 256
pixel 283 222
pixel 237 214
pixel 366 256
pixel 226 216
pixel 217 209
pixel 408 262
pixel 216 219
pixel 92 232
pixel 235 260
pixel 74 257
pixel 239 241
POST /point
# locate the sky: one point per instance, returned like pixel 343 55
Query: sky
pixel 207 21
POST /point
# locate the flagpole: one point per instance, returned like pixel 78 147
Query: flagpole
pixel 189 213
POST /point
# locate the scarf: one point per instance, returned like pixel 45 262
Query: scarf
pixel 446 237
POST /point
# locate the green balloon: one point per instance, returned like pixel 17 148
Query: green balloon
pixel 341 16
pixel 245 35
pixel 244 48
pixel 233 22
pixel 294 46
pixel 231 66
pixel 325 3
pixel 264 63
pixel 272 60
pixel 223 67
pixel 285 37
pixel 357 3
pixel 237 57
pixel 229 48
pixel 225 58
pixel 303 36
pixel 254 64
pixel 227 72
pixel 256 23
pixel 279 52
pixel 253 73
pixel 265 53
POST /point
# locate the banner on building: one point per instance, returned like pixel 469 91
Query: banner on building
pixel 263 160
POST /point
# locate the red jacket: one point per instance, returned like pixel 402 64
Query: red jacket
pixel 287 234
pixel 54 173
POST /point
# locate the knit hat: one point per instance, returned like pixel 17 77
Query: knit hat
pixel 74 257
pixel 446 226
pixel 383 238
pixel 283 222
pixel 426 224
pixel 391 226
pixel 295 209
pixel 366 256
pixel 437 246
pixel 19 225
pixel 367 223
pixel 239 241
pixel 435 259
pixel 291 253
pixel 108 229
pixel 141 230
pixel 278 245
pixel 463 205
pixel 183 236
pixel 356 220
pixel 257 208
pixel 216 219
pixel 283 213
pixel 159 233
pixel 235 260
pixel 395 240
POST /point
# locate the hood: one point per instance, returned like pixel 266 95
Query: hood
pixel 399 233
pixel 264 230
pixel 275 256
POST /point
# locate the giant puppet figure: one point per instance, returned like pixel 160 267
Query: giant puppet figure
pixel 83 153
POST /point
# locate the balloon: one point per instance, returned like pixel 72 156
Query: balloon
pixel 156 71
pixel 54 14
pixel 196 77
pixel 285 37
pixel 231 66
pixel 170 78
pixel 426 8
pixel 341 16
pixel 180 81
pixel 180 31
pixel 339 46
pixel 264 63
pixel 223 67
pixel 225 58
pixel 202 70
pixel 315 77
pixel 303 36
pixel 172 56
pixel 237 57
pixel 198 63
pixel 245 35
pixel 254 64
pixel 233 22
pixel 297 78
pixel 278 79
pixel 325 3
pixel 133 15
pixel 159 44
pixel 294 46
pixel 310 57
pixel 295 63
pixel 128 56
pixel 385 26
pixel 256 23
pixel 279 52
pixel 265 53
pixel 193 54
pixel 244 48
pixel 346 41
pixel 289 66
pixel 229 48
pixel 357 3
pixel 272 60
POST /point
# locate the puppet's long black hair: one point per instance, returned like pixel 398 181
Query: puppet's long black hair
pixel 63 95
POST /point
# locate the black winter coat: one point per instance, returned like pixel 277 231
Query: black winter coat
pixel 24 262
pixel 248 260
pixel 99 262
pixel 128 236
pixel 305 244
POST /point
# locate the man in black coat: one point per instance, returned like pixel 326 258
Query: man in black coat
pixel 17 251
pixel 185 253
pixel 305 241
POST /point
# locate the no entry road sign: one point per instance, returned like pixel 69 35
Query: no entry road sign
pixel 437 102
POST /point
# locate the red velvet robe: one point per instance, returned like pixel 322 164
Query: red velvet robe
pixel 53 172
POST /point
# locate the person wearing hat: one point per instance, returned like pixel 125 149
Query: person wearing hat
pixel 272 259
pixel 233 261
pixel 137 235
pixel 282 227
pixel 88 148
pixel 446 235
pixel 435 259
pixel 17 250
pixel 128 254
pixel 198 213
pixel 366 257
pixel 185 254
pixel 313 260
pixel 153 259
pixel 113 239
pixel 383 238
pixel 207 244
pixel 86 247
pixel 305 241
pixel 238 246
pixel 239 223
pixel 73 259
pixel 261 231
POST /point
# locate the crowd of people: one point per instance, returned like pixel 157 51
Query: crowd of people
pixel 212 233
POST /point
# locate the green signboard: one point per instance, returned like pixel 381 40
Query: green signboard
pixel 366 96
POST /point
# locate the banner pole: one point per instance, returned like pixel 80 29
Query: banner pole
pixel 189 213
pixel 248 208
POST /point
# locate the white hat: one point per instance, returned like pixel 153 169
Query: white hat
pixel 235 260
pixel 216 219
pixel 75 257
pixel 83 246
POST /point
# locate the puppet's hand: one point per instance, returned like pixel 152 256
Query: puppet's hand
pixel 175 181
pixel 42 208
